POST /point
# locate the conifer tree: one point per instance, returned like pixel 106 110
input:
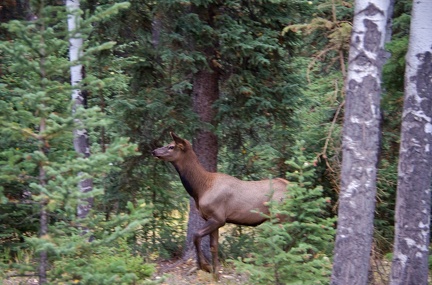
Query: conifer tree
pixel 294 247
pixel 38 158
pixel 233 62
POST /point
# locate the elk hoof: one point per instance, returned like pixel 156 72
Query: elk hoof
pixel 206 267
pixel 216 276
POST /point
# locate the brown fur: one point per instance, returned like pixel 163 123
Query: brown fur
pixel 220 198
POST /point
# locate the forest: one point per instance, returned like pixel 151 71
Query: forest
pixel 333 96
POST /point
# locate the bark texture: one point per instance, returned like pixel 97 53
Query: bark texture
pixel 43 258
pixel 43 219
pixel 81 140
pixel 413 204
pixel 361 141
pixel 205 93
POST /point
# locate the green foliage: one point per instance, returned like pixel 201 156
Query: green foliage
pixel 141 88
pixel 259 91
pixel 17 261
pixel 298 249
pixel 101 264
pixel 40 168
pixel 385 205
pixel 236 242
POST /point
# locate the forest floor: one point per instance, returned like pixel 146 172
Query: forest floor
pixel 168 272
pixel 179 272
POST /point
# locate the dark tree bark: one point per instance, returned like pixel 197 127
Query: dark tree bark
pixel 43 218
pixel 413 202
pixel 43 257
pixel 361 134
pixel 204 93
pixel 43 148
pixel 156 29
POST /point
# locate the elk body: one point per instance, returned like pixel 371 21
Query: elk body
pixel 220 198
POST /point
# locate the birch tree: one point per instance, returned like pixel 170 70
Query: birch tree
pixel 80 141
pixel 361 135
pixel 413 202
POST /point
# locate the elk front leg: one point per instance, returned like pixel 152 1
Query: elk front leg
pixel 210 226
pixel 214 244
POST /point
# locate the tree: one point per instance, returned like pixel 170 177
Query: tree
pixel 233 62
pixel 413 203
pixel 79 98
pixel 361 140
pixel 323 55
pixel 38 159
pixel 294 251
pixel 205 92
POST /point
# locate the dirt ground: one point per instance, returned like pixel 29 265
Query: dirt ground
pixel 179 272
pixel 169 272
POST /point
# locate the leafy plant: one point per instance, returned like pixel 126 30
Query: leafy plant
pixel 295 245
pixel 103 264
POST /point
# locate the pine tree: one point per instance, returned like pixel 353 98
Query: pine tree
pixel 296 249
pixel 225 56
pixel 38 159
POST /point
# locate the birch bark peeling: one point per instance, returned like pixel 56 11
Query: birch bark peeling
pixel 81 140
pixel 361 140
pixel 413 203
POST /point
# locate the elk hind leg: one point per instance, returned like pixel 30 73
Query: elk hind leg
pixel 210 226
pixel 214 244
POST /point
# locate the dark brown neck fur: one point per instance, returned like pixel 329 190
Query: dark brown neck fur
pixel 196 180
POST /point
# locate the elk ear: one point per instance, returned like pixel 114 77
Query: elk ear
pixel 178 140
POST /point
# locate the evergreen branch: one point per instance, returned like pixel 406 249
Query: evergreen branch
pixel 21 275
pixel 314 60
pixel 324 151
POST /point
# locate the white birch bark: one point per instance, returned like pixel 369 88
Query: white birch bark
pixel 413 204
pixel 361 140
pixel 81 143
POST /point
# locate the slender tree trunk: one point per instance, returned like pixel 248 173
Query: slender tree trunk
pixel 156 29
pixel 361 135
pixel 413 203
pixel 81 140
pixel 43 257
pixel 43 148
pixel 43 215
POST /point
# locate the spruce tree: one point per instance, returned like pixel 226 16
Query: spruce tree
pixel 295 246
pixel 237 55
pixel 40 169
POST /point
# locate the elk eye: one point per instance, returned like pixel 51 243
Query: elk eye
pixel 171 147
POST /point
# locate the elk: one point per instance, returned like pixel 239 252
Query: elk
pixel 219 198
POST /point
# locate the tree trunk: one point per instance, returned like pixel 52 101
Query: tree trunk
pixel 81 140
pixel 43 148
pixel 43 213
pixel 43 257
pixel 413 203
pixel 361 134
pixel 205 93
pixel 156 28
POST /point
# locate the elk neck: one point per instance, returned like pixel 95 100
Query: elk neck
pixel 195 179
